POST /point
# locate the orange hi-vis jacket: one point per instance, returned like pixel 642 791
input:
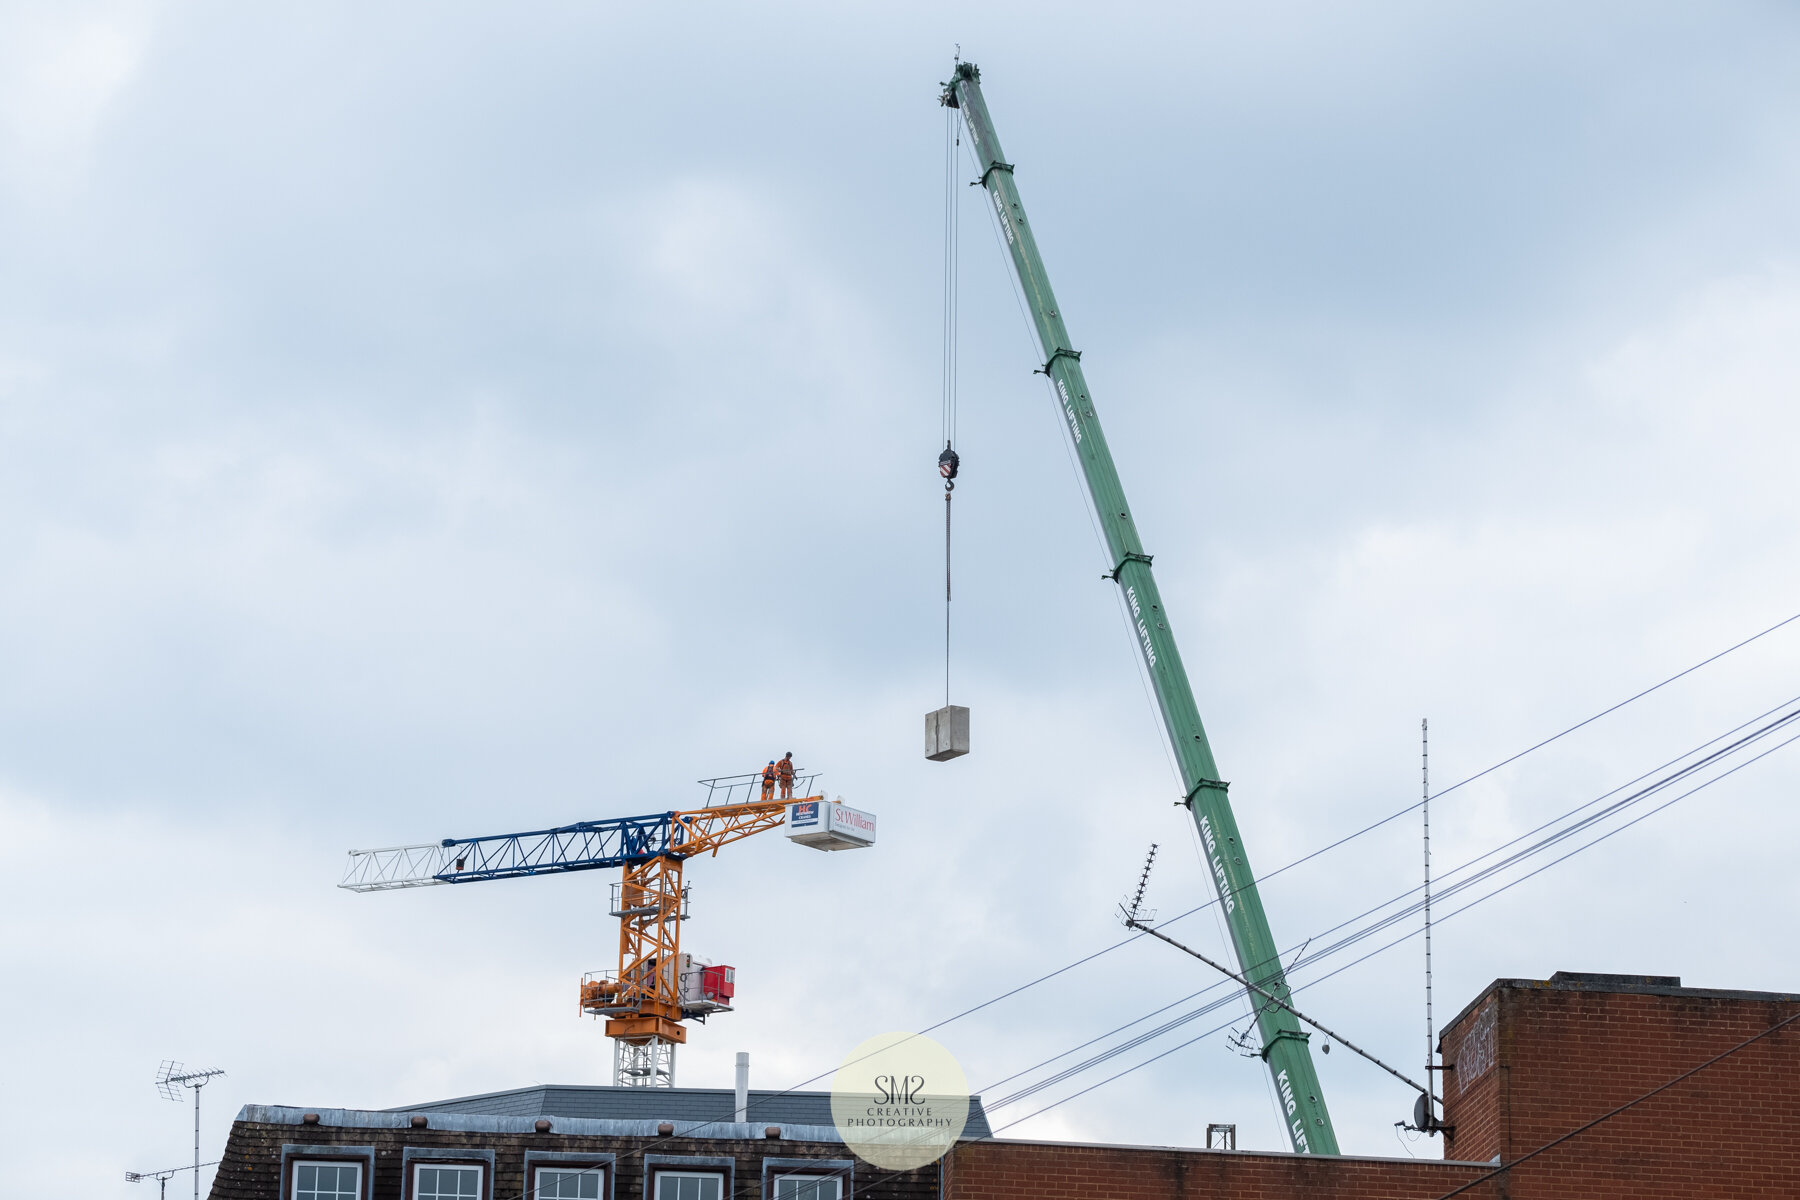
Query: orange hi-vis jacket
pixel 785 769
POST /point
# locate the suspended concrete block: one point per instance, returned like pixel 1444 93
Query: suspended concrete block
pixel 947 733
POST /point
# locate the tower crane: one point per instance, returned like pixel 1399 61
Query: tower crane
pixel 1204 794
pixel 656 986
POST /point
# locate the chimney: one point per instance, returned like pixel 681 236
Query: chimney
pixel 743 1087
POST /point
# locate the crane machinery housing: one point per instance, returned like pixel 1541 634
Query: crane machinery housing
pixel 656 986
pixel 1284 1044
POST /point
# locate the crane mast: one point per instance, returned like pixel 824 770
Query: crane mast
pixel 1285 1048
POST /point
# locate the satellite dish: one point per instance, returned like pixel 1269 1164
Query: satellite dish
pixel 1423 1118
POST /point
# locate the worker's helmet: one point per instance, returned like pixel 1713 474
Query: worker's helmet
pixel 789 754
pixel 771 762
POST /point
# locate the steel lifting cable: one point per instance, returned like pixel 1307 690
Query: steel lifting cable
pixel 948 460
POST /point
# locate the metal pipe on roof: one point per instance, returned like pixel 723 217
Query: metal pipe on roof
pixel 743 1087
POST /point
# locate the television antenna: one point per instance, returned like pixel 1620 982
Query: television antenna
pixel 1268 998
pixel 171 1077
pixel 162 1177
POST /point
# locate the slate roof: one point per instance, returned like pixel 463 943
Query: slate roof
pixel 657 1104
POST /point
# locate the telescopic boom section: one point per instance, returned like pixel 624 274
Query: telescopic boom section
pixel 1284 1044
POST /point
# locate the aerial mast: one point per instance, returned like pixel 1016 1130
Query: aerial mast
pixel 170 1079
pixel 1204 793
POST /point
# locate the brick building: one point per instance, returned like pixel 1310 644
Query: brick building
pixel 1596 1086
pixel 1535 1059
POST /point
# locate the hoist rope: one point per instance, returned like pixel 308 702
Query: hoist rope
pixel 952 142
pixel 948 461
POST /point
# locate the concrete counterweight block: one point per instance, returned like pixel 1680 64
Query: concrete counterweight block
pixel 947 733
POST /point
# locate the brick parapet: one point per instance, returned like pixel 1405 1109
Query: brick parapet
pixel 1001 1170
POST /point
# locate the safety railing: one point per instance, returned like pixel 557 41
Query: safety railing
pixel 603 996
pixel 636 900
pixel 747 789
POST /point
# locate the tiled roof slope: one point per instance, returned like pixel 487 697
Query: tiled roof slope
pixel 658 1104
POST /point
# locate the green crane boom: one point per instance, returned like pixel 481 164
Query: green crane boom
pixel 1284 1044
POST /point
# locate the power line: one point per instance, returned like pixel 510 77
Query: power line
pixel 1212 1006
pixel 1621 704
pixel 1393 816
pixel 1563 834
pixel 1047 976
pixel 1502 846
pixel 1344 944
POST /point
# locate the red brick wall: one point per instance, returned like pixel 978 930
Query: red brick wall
pixel 1059 1171
pixel 1563 1055
pixel 1473 1100
pixel 1535 1060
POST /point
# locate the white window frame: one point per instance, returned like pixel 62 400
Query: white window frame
pixel 448 1164
pixel 663 1173
pixel 538 1169
pixel 836 1181
pixel 294 1176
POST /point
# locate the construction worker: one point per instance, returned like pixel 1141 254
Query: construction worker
pixel 768 792
pixel 784 771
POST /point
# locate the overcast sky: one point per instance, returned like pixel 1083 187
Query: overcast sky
pixel 434 420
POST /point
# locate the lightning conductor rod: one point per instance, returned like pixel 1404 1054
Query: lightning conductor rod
pixel 1204 795
pixel 1425 807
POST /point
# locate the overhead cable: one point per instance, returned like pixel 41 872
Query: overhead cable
pixel 1214 1005
pixel 1105 950
pixel 1336 948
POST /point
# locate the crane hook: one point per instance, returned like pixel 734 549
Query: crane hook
pixel 948 462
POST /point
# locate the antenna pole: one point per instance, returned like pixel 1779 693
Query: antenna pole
pixel 1430 1040
pixel 197 1087
pixel 169 1081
